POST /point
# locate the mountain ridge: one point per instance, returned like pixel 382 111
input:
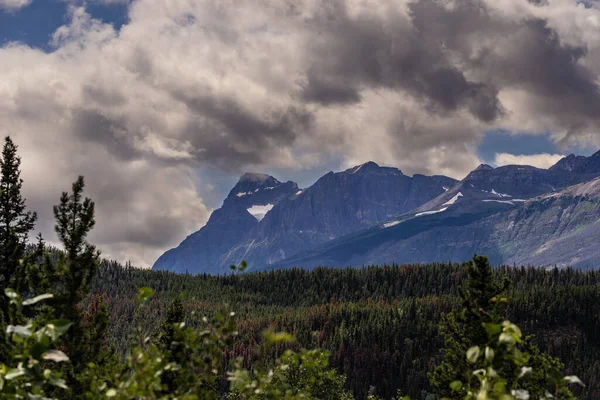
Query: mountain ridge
pixel 365 208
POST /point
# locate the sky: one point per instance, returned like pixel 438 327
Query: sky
pixel 163 104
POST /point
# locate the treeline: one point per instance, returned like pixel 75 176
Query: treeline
pixel 77 327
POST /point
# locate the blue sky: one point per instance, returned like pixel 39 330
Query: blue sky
pixel 523 144
pixel 35 23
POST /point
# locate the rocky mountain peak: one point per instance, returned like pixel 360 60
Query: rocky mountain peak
pixel 569 163
pixel 484 167
pixel 258 189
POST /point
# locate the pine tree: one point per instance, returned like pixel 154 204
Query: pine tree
pixel 68 275
pixel 166 332
pixel 168 343
pixel 484 304
pixel 15 221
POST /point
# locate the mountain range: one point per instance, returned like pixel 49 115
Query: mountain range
pixel 370 214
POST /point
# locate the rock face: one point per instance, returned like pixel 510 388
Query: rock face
pixel 562 229
pixel 510 220
pixel 246 204
pixel 336 205
pixel 371 214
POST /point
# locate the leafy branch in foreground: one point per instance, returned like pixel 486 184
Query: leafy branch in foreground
pixel 29 373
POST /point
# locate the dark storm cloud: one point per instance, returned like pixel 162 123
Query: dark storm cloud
pixel 96 127
pixel 327 90
pixel 227 135
pixel 541 64
pixel 403 54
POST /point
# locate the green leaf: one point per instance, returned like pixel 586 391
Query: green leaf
pixel 278 337
pixel 56 328
pixel 10 293
pixel 14 373
pixel 55 355
pixel 456 386
pixel 38 349
pixel 489 354
pixel 19 330
pixel 525 371
pixel 506 338
pixel 111 393
pixel 61 383
pixel 473 354
pixel 37 299
pixel 493 329
pixel 573 379
pixel 243 265
pixel 145 293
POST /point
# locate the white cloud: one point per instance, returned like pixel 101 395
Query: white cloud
pixel 543 160
pixel 12 5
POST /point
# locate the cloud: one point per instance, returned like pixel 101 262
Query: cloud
pixel 543 160
pixel 286 85
pixel 12 5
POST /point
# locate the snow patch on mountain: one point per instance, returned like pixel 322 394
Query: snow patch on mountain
pixel 453 200
pixel 259 211
pixel 390 224
pixel 430 212
pixel 500 194
pixel 500 201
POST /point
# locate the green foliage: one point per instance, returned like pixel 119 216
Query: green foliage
pixel 496 353
pixel 296 375
pixel 28 372
pixel 485 382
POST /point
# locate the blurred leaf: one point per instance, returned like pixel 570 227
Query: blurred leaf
pixel 473 354
pixel 573 379
pixel 145 294
pixel 456 386
pixel 38 299
pixel 55 355
pixel 19 330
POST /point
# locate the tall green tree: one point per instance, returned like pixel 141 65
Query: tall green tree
pixel 68 274
pixel 15 221
pixel 484 305
pixel 168 342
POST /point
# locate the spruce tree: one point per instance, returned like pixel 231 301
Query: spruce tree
pixel 68 275
pixel 15 221
pixel 484 304
pixel 168 343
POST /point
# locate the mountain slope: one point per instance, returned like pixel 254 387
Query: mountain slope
pixel 560 228
pixel 244 207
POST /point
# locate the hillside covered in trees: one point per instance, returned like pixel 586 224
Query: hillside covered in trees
pixel 380 323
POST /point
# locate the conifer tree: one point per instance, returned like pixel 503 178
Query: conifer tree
pixel 167 342
pixel 68 275
pixel 166 332
pixel 15 221
pixel 484 304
